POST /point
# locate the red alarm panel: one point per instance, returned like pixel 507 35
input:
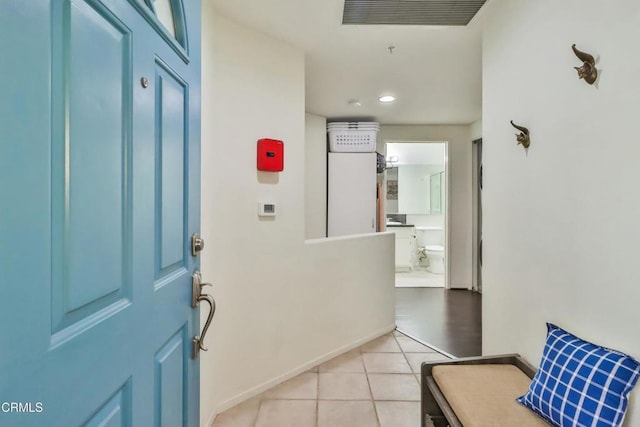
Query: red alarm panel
pixel 270 155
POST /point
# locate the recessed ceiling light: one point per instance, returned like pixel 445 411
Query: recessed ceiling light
pixel 386 99
pixel 354 103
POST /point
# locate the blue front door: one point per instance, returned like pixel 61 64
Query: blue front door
pixel 99 197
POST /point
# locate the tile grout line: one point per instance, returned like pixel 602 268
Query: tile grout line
pixel 424 343
pixel 408 363
pixel 366 375
pixel 406 359
pixel 293 398
pixel 318 397
pixel 361 353
pixel 255 421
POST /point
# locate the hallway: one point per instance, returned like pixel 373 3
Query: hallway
pixel 375 385
pixel 449 320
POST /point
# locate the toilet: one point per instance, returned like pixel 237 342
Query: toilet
pixel 430 243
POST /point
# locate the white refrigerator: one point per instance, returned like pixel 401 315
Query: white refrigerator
pixel 351 192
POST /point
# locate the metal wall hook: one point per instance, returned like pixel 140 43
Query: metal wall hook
pixel 523 137
pixel 588 71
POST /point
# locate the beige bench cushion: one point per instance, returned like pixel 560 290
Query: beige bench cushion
pixel 484 395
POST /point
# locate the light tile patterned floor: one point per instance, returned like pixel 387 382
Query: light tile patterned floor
pixel 375 385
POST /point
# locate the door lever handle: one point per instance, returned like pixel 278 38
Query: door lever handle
pixel 198 341
pixel 196 297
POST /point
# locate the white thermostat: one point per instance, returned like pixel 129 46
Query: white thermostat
pixel 266 209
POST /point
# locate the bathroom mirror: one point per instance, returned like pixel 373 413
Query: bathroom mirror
pixel 435 193
pixel 414 189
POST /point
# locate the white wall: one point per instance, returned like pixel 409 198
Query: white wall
pixel 459 164
pixel 426 220
pixel 561 221
pixel 475 129
pixel 283 304
pixel 315 182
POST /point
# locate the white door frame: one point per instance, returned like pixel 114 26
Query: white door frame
pixel 476 275
pixel 447 232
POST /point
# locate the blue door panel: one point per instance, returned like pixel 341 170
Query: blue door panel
pixel 97 178
pixel 99 185
pixel 170 381
pixel 91 173
pixel 25 124
pixel 74 381
pixel 116 412
pixel 171 145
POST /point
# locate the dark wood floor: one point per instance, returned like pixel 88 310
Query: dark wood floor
pixel 450 320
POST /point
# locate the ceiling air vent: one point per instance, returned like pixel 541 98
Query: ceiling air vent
pixel 410 12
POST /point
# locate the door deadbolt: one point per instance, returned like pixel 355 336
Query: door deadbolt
pixel 197 244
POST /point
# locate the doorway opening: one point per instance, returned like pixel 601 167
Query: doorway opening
pixel 417 210
pixel 447 320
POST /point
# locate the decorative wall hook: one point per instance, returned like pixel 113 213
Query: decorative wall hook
pixel 588 71
pixel 523 137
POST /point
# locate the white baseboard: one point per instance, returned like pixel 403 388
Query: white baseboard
pixel 255 391
pixel 467 287
pixel 418 285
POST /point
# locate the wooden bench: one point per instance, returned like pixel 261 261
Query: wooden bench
pixel 477 391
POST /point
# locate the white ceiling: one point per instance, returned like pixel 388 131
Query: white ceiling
pixel 435 72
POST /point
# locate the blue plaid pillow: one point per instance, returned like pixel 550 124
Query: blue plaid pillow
pixel 579 383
